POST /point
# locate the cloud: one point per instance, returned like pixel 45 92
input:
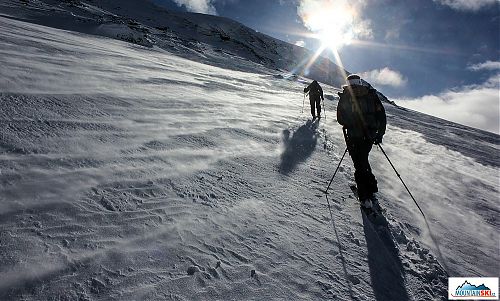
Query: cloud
pixel 488 65
pixel 467 5
pixel 384 77
pixel 363 29
pixel 198 6
pixel 475 105
pixel 393 32
pixel 300 43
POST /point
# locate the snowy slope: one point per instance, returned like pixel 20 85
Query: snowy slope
pixel 130 173
pixel 209 39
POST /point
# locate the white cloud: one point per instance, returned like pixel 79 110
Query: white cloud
pixel 476 105
pixel 384 77
pixel 198 6
pixel 300 43
pixel 471 5
pixel 394 31
pixel 363 29
pixel 488 65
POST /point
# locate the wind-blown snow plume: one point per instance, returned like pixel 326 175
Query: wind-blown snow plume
pixel 471 5
pixel 198 6
pixel 384 77
pixel 475 105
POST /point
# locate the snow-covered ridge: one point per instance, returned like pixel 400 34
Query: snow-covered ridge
pixel 196 36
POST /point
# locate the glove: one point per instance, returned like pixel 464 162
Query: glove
pixel 377 140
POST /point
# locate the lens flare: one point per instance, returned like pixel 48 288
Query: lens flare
pixel 332 21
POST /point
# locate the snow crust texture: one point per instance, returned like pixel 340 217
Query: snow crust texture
pixel 132 173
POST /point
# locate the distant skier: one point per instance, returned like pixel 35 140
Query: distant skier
pixel 362 116
pixel 315 94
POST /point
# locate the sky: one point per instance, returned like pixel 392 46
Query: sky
pixel 441 57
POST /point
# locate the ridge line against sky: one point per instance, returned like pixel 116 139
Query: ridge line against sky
pixel 440 57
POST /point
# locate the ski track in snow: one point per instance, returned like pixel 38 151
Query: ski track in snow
pixel 129 173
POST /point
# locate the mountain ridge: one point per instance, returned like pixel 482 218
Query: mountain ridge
pixel 147 24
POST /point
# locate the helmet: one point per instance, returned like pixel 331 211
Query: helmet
pixel 355 80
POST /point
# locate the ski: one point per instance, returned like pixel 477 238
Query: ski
pixel 375 214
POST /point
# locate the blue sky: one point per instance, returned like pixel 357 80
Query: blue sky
pixel 439 53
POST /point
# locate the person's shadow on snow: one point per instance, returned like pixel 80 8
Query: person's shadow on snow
pixel 299 146
pixel 386 269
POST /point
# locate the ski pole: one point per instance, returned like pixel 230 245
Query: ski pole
pixel 401 180
pixel 440 255
pixel 326 191
pixel 303 101
pixel 324 108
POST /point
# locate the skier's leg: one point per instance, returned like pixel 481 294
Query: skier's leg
pixel 363 175
pixel 311 101
pixel 318 106
pixel 370 178
pixel 358 154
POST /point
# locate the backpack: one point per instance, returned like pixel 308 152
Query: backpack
pixel 314 90
pixel 358 113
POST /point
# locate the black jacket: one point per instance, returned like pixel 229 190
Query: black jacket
pixel 361 113
pixel 315 91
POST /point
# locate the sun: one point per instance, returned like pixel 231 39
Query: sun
pixel 333 23
pixel 334 38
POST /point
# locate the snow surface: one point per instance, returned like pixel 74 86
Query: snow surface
pixel 132 173
pixel 204 38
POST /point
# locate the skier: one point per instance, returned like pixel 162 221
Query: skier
pixel 362 116
pixel 315 94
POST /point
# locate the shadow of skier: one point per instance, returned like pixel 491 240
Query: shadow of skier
pixel 386 269
pixel 298 147
pixel 341 253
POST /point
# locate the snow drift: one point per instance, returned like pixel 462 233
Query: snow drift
pixel 129 172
